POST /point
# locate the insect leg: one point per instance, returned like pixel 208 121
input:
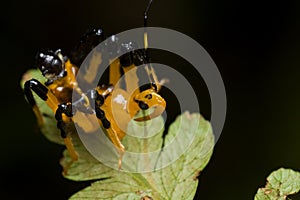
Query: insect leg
pixel 111 127
pixel 43 92
pixel 66 109
pixel 72 82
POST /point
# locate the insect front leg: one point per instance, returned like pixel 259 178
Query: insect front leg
pixel 43 92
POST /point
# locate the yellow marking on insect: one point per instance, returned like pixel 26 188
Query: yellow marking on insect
pixel 120 116
pixel 93 67
pixel 114 73
pixel 131 78
pixel 71 80
pixel 87 122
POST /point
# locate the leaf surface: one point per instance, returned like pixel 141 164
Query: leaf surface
pixel 280 184
pixel 177 180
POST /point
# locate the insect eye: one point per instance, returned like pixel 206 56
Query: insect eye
pixel 148 96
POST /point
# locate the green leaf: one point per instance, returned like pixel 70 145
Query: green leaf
pixel 281 183
pixel 160 180
pixel 178 180
pixel 49 128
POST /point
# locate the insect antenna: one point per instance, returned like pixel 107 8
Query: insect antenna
pixel 145 28
pixel 150 71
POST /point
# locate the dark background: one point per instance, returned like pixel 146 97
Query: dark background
pixel 255 44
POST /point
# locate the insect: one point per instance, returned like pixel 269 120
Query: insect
pixel 62 85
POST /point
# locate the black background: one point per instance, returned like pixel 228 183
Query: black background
pixel 255 44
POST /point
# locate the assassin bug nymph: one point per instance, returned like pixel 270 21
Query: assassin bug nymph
pixel 60 72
